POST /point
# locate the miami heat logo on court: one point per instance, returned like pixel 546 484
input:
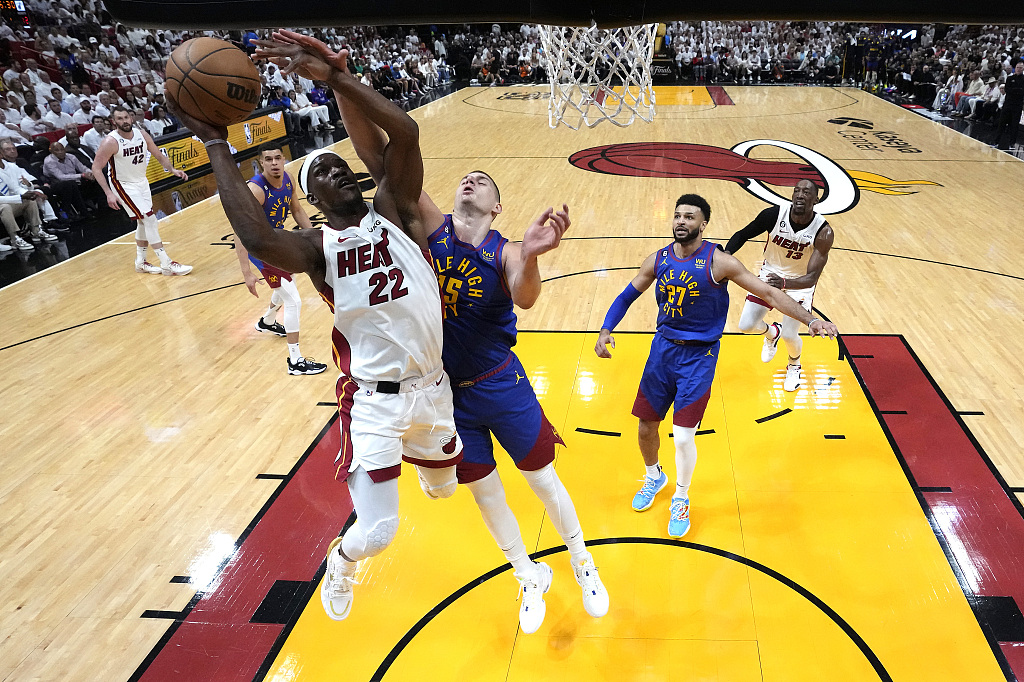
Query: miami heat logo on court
pixel 841 187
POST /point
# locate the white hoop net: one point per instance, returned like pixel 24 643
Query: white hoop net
pixel 599 74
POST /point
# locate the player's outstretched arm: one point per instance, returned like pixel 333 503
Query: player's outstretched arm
pixel 764 222
pixel 292 251
pixel 398 192
pixel 520 260
pixel 638 285
pixel 726 267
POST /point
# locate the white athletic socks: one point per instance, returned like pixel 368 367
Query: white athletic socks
pixel 140 254
pixel 293 353
pixel 653 471
pixel 165 260
pixel 577 547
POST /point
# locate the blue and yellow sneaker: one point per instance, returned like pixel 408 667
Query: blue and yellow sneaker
pixel 679 517
pixel 643 500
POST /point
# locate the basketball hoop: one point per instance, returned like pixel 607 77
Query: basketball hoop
pixel 599 74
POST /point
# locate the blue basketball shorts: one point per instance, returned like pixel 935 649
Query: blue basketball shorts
pixel 679 375
pixel 505 405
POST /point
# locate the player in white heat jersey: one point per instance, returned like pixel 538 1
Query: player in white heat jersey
pixel 370 264
pixel 124 152
pixel 794 256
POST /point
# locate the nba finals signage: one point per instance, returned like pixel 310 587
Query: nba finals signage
pixel 188 153
pixel 841 187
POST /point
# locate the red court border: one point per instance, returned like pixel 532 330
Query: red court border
pixel 213 638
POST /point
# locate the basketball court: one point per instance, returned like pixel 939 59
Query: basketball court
pixel 167 490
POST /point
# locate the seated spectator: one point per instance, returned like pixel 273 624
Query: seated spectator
pixel 10 120
pixel 105 48
pixel 989 108
pixel 321 95
pixel 34 162
pixel 45 88
pixel 975 89
pixel 32 71
pixel 160 124
pixel 33 123
pixel 105 105
pixel 969 104
pixel 133 102
pixel 13 72
pixel 85 114
pixel 94 136
pixel 72 143
pixel 279 99
pixel 318 116
pixel 70 179
pixel 56 115
pixel 71 103
pixel 20 199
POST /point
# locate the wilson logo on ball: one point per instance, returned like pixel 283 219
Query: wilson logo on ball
pixel 241 93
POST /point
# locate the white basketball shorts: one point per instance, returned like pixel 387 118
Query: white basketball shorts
pixel 380 429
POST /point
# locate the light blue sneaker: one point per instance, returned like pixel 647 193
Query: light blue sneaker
pixel 643 500
pixel 679 517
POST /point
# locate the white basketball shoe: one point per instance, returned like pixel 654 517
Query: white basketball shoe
pixel 174 268
pixel 595 596
pixel 532 587
pixel 336 588
pixel 770 346
pixel 793 380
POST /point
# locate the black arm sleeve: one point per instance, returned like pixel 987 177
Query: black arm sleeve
pixel 764 222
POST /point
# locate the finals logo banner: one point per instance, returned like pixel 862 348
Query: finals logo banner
pixel 188 153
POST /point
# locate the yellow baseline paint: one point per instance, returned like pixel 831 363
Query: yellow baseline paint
pixel 679 95
pixel 836 517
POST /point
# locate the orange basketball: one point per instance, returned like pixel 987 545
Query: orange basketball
pixel 213 81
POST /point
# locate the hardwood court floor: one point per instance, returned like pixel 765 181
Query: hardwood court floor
pixel 138 411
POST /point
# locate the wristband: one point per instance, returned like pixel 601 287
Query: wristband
pixel 210 143
pixel 812 321
pixel 783 282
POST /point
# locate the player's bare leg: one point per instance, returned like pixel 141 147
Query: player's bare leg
pixel 654 479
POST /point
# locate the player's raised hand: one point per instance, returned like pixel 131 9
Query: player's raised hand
pixel 304 55
pixel 822 328
pixel 545 233
pixel 605 340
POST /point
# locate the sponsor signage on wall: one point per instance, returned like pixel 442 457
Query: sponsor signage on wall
pixel 189 154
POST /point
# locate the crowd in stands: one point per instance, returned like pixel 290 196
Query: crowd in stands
pixel 69 63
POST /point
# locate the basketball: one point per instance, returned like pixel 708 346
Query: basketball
pixel 213 81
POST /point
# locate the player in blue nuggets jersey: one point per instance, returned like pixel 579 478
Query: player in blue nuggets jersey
pixel 692 305
pixel 274 190
pixel 481 275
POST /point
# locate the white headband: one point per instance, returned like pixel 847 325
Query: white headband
pixel 308 163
